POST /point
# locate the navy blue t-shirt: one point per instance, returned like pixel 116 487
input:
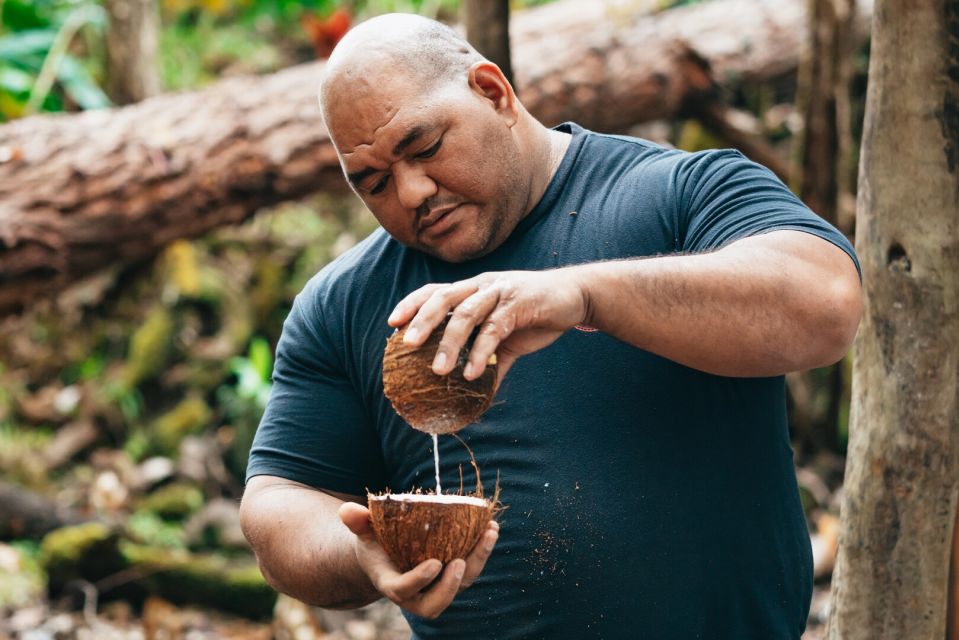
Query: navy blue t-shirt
pixel 645 499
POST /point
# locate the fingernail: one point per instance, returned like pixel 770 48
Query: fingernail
pixel 432 569
pixel 458 570
pixel 439 361
pixel 394 316
pixel 490 541
pixel 411 335
pixel 468 370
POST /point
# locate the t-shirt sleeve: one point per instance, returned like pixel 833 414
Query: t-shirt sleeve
pixel 315 429
pixel 724 197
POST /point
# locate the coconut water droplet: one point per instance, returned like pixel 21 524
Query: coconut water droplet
pixel 436 461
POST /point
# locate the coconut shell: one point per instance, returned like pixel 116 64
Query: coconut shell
pixel 416 527
pixel 428 402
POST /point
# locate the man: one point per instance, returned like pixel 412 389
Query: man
pixel 643 304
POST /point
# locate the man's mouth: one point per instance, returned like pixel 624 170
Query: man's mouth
pixel 434 217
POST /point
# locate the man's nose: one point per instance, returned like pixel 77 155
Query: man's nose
pixel 413 185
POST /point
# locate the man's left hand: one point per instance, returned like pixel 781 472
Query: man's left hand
pixel 517 312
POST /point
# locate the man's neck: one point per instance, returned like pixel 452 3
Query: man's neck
pixel 552 148
pixel 558 144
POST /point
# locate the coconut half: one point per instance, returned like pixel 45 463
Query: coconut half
pixel 428 402
pixel 413 527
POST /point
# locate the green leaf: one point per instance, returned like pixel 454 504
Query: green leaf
pixel 15 81
pixel 31 63
pixel 16 46
pixel 11 107
pixel 80 86
pixel 261 358
pixel 52 103
pixel 19 16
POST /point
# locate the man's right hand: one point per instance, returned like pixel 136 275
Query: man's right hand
pixel 418 590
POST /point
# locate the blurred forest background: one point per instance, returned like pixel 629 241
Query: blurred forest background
pixel 133 374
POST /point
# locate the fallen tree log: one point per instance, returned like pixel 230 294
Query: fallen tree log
pixel 25 514
pixel 111 565
pixel 82 192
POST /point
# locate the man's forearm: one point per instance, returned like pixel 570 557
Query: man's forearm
pixel 763 306
pixel 302 547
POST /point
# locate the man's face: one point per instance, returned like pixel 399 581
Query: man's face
pixel 438 167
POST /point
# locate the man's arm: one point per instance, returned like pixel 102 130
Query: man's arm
pixel 319 548
pixel 761 306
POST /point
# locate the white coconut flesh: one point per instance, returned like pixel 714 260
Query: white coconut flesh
pixel 432 498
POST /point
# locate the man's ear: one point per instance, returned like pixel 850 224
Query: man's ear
pixel 488 81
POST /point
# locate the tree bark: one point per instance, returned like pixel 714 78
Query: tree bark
pixel 487 29
pixel 132 73
pixel 96 189
pixel 902 476
pixel 823 95
pixel 952 608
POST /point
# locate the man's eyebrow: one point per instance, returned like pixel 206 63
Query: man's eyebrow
pixel 357 176
pixel 410 138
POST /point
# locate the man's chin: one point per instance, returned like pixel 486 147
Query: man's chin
pixel 454 252
pixel 453 256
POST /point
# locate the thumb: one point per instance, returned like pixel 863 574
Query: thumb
pixel 356 517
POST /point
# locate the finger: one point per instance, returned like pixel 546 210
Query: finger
pixel 497 327
pixel 434 310
pixel 434 601
pixel 401 587
pixel 406 308
pixel 477 558
pixel 356 517
pixel 504 361
pixel 373 559
pixel 466 316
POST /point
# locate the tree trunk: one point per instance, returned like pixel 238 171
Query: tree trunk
pixel 823 95
pixel 487 29
pixel 132 50
pixel 952 607
pixel 822 166
pixel 86 191
pixel 902 476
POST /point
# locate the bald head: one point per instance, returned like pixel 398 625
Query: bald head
pixel 431 137
pixel 418 49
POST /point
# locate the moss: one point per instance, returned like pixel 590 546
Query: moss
pixel 92 552
pixel 88 551
pixel 147 527
pixel 269 289
pixel 224 287
pixel 205 375
pixel 173 501
pixel 204 579
pixel 21 454
pixel 181 266
pixel 137 445
pixel 149 347
pixel 70 543
pixel 189 417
